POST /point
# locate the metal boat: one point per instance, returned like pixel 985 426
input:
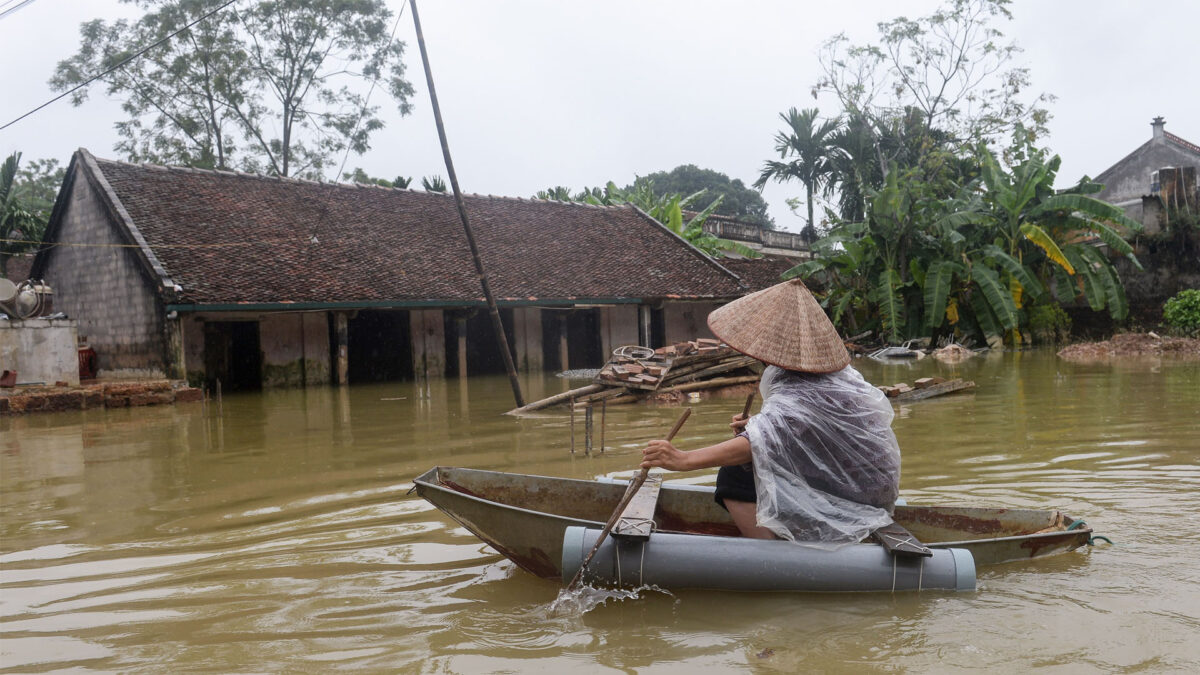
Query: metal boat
pixel 526 519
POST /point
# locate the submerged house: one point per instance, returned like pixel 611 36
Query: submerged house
pixel 253 280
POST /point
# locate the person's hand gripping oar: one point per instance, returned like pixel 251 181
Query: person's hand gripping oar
pixel 744 417
pixel 634 486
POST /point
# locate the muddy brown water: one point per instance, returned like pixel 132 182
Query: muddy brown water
pixel 280 538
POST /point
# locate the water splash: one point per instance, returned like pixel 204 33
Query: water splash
pixel 584 598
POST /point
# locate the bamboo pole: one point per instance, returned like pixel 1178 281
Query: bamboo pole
pixel 497 324
pixel 557 398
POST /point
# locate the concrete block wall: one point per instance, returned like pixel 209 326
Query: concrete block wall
pixel 687 320
pixel 527 338
pixel 192 326
pixel 618 327
pixel 40 350
pixel 295 349
pixel 106 289
pixel 294 345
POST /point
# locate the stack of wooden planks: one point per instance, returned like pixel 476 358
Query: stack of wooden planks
pixel 926 387
pixel 637 374
pixel 643 368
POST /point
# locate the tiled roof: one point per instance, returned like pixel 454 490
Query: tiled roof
pixel 1182 142
pixel 760 273
pixel 237 238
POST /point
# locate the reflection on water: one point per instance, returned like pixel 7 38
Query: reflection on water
pixel 280 535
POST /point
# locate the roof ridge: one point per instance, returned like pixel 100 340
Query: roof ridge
pixel 349 185
pixel 1181 141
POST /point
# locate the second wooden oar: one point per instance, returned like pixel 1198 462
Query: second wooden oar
pixel 634 486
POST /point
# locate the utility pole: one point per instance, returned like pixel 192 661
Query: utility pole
pixel 497 324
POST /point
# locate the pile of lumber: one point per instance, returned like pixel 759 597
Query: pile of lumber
pixel 642 368
pixel 634 375
pixel 926 387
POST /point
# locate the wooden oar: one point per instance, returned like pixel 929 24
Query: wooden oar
pixel 629 493
pixel 746 411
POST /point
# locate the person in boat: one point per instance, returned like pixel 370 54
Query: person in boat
pixel 819 462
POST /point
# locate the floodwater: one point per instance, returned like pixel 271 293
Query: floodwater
pixel 280 536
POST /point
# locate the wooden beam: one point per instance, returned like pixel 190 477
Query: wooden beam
pixel 637 520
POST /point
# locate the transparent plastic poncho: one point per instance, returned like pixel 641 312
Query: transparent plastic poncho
pixel 826 463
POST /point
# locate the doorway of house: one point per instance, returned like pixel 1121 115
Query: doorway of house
pixel 380 346
pixel 483 356
pixel 233 355
pixel 581 328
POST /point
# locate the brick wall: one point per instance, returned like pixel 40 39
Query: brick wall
pixel 105 288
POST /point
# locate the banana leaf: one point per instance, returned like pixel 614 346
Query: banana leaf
pixel 840 306
pixel 1107 235
pixel 891 310
pixel 1093 291
pixel 983 316
pixel 1029 283
pixel 1110 282
pixel 1044 241
pixel 1064 288
pixel 999 300
pixel 938 280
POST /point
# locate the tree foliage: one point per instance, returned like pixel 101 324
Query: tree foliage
pixel 363 178
pixel 953 68
pixel 673 210
pixel 433 184
pixel 266 86
pixel 976 262
pixel 26 200
pixel 737 200
pixel 805 148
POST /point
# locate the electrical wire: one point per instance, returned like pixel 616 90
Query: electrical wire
pixel 124 61
pixel 13 9
pixel 229 244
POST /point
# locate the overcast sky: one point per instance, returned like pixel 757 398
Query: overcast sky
pixel 543 93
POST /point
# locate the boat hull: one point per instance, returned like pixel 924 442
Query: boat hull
pixel 525 517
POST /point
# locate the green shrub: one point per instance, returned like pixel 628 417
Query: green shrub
pixel 1182 312
pixel 1049 324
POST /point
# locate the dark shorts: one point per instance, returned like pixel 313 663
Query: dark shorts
pixel 736 483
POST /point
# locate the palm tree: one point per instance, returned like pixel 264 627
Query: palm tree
pixel 806 148
pixel 16 223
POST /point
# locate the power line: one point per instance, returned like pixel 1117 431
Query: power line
pixel 13 9
pixel 362 113
pixel 97 76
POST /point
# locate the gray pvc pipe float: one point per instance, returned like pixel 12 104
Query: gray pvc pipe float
pixel 670 560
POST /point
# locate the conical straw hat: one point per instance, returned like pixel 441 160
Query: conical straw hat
pixel 783 326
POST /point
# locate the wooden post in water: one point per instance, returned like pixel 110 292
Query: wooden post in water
pixel 587 430
pixel 497 324
pixel 603 409
pixel 563 352
pixel 341 333
pixel 460 324
pixel 220 411
pixel 571 403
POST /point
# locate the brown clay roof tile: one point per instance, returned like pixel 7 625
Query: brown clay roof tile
pixel 228 238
